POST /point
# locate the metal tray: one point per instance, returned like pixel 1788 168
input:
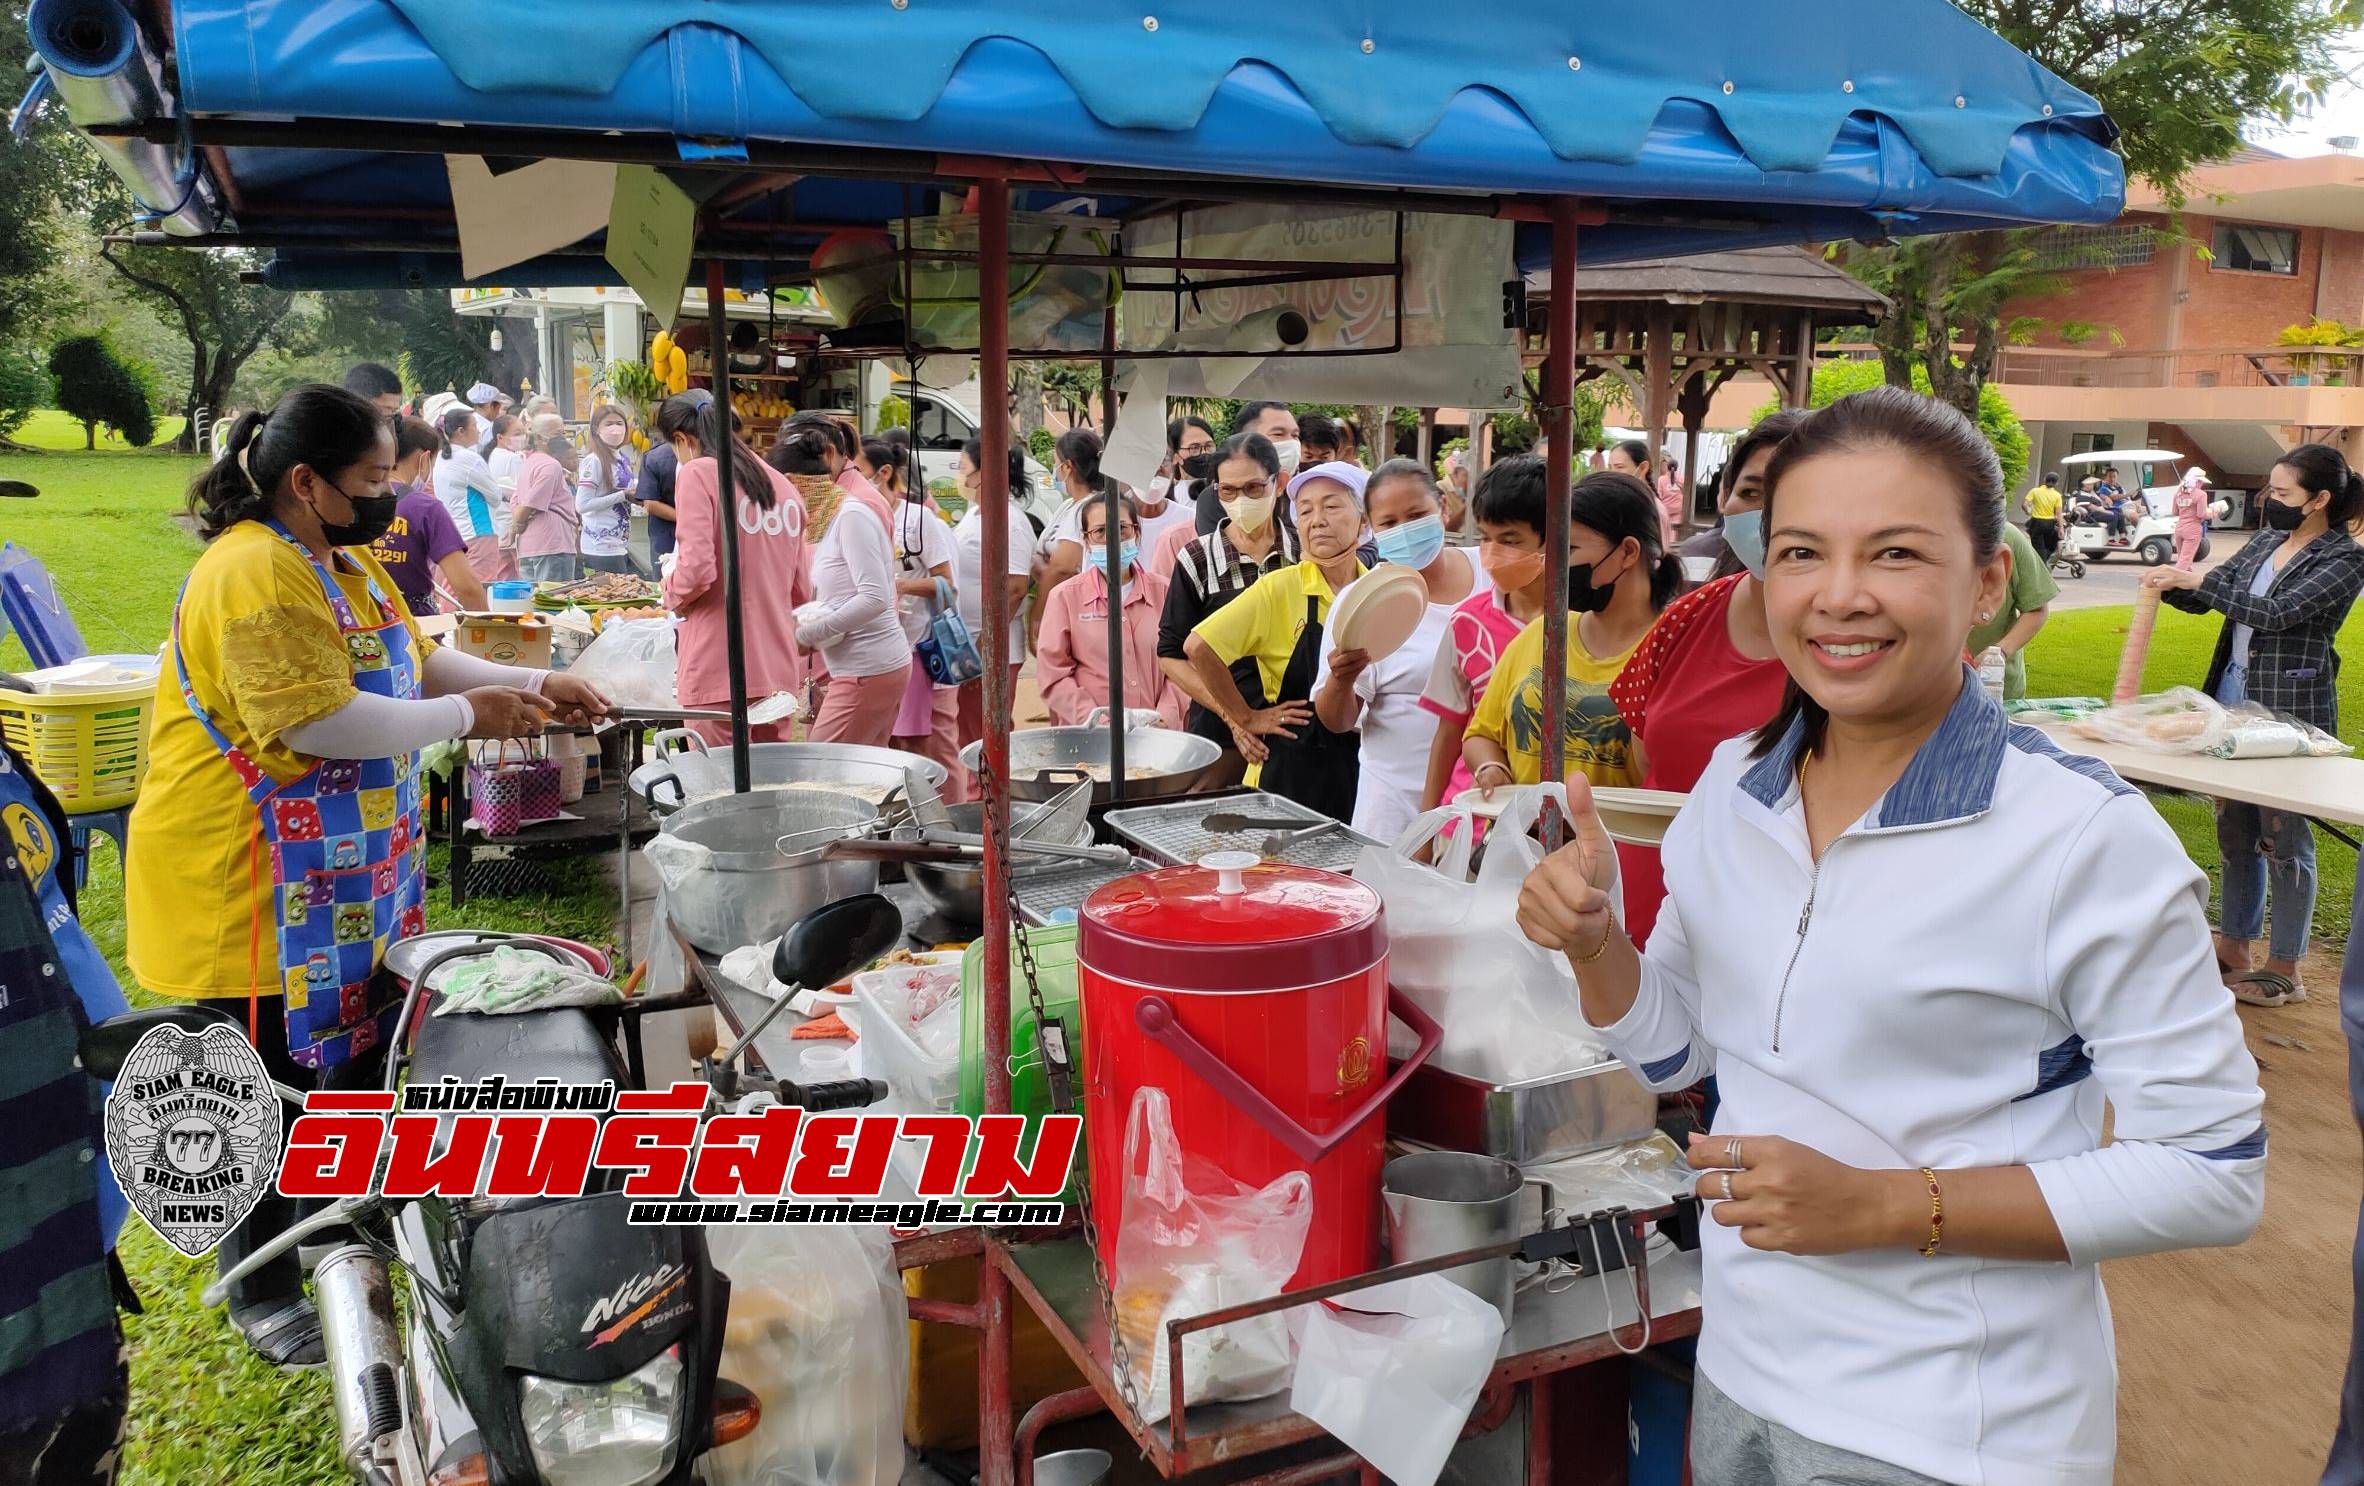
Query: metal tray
pixel 1175 834
pixel 1537 1119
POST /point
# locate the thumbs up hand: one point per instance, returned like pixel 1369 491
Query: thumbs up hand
pixel 1564 903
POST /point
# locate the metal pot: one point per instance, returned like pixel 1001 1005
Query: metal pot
pixel 685 770
pixel 958 890
pixel 1159 762
pixel 749 890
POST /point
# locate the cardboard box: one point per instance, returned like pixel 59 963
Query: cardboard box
pixel 509 639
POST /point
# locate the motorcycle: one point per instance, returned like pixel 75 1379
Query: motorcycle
pixel 545 1341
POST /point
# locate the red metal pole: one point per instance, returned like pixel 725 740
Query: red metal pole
pixel 1559 453
pixel 996 1447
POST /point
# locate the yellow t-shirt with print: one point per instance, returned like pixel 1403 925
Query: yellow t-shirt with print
pixel 1598 745
pixel 1265 623
pixel 264 655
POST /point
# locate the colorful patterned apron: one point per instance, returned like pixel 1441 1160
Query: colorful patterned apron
pixel 347 848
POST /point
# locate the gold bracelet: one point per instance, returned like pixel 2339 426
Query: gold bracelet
pixel 1936 1215
pixel 1598 950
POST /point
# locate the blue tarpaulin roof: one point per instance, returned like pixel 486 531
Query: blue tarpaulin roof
pixel 1694 124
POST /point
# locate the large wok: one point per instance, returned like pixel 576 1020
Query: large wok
pixel 1159 762
pixel 684 771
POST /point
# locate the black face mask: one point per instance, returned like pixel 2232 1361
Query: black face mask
pixel 1200 467
pixel 2283 516
pixel 373 517
pixel 1586 596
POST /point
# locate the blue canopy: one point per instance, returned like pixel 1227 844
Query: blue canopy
pixel 1707 124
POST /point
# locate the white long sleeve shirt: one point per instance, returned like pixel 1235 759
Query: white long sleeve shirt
pixel 1951 987
pixel 853 622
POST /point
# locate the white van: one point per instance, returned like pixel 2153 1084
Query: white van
pixel 943 420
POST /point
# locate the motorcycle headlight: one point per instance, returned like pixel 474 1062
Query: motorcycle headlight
pixel 616 1433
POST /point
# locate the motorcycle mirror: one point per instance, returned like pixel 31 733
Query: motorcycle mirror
pixel 835 940
pixel 103 1048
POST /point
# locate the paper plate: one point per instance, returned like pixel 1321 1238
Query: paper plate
pixel 1475 802
pixel 1380 612
pixel 1637 817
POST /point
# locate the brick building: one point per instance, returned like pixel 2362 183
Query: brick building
pixel 2182 350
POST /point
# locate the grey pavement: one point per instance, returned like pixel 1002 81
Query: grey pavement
pixel 2114 580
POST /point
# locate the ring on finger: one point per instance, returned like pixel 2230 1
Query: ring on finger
pixel 1732 1151
pixel 1727 1176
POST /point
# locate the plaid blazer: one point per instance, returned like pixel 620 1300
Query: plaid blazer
pixel 2293 668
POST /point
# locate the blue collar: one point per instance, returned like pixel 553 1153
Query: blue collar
pixel 1951 778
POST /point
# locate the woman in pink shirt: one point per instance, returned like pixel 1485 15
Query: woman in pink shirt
pixel 771 569
pixel 547 527
pixel 2191 516
pixel 1071 655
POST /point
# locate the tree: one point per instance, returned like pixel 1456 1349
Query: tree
pixel 95 386
pixel 24 386
pixel 223 320
pixel 2180 78
pixel 1836 379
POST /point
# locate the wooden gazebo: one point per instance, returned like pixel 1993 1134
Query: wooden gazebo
pixel 1674 330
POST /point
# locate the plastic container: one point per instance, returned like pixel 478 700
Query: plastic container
pixel 89 747
pixel 509 597
pixel 892 1010
pixel 846 1004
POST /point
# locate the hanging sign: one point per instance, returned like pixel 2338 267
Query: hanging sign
pixel 651 232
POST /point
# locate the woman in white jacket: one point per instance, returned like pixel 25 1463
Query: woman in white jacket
pixel 1878 935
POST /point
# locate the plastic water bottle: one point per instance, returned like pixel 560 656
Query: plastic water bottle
pixel 1990 671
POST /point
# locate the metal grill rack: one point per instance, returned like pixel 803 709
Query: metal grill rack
pixel 1175 833
pixel 1041 895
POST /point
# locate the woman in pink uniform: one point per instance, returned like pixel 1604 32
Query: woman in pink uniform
pixel 2191 516
pixel 771 570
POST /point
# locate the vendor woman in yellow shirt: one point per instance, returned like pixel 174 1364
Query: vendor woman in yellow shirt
pixel 277 847
pixel 1619 578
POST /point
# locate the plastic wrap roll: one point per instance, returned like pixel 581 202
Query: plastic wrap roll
pixel 2138 646
pixel 102 70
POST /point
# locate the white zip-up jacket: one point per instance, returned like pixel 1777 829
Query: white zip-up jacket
pixel 2010 938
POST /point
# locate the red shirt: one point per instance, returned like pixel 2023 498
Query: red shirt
pixel 1684 692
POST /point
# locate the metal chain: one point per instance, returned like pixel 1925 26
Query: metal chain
pixel 1051 1041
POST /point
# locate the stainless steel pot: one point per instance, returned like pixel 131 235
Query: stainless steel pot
pixel 1448 1202
pixel 749 890
pixel 1159 762
pixel 958 890
pixel 685 771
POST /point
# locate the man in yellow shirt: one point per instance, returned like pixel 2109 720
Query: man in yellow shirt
pixel 2043 518
pixel 1278 623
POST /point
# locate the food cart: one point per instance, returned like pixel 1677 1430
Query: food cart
pixel 317 132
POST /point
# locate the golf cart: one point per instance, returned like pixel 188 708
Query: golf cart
pixel 2150 508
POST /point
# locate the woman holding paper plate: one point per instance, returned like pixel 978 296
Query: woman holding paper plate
pixel 1908 1188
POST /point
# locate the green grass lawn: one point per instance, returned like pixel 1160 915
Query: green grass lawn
pixel 2077 655
pixel 50 429
pixel 203 1410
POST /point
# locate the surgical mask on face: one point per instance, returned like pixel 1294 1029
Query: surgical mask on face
pixel 373 517
pixel 1127 554
pixel 1160 486
pixel 1290 451
pixel 1200 467
pixel 2283 516
pixel 1744 533
pixel 1415 544
pixel 1585 594
pixel 1251 513
pixel 1510 568
pixel 613 435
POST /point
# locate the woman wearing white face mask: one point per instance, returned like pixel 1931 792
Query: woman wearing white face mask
pixel 1381 699
pixel 1072 664
pixel 1706 671
pixel 1916 1030
pixel 603 492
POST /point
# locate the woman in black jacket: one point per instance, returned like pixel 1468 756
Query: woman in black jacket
pixel 2284 597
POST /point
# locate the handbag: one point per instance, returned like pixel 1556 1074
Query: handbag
pixel 508 794
pixel 947 652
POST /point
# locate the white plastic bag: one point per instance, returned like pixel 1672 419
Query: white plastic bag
pixel 631 663
pixel 2184 720
pixel 818 1330
pixel 1394 1370
pixel 1508 1007
pixel 1192 1240
pixel 675 859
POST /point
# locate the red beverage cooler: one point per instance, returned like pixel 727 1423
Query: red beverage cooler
pixel 1255 995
